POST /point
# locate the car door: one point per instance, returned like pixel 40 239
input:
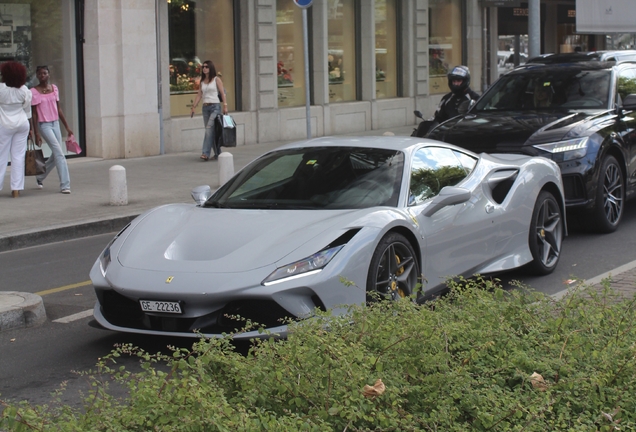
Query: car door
pixel 626 84
pixel 458 237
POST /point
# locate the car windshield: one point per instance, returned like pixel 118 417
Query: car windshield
pixel 316 178
pixel 557 88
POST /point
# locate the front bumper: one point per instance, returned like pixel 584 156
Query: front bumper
pixel 217 304
pixel 579 182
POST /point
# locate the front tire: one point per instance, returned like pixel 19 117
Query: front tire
pixel 546 234
pixel 394 271
pixel 610 197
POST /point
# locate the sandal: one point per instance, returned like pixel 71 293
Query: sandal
pixel 204 157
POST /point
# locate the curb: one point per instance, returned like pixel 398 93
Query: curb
pixel 52 235
pixel 596 280
pixel 19 310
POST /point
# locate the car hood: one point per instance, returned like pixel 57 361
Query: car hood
pixel 194 239
pixel 510 132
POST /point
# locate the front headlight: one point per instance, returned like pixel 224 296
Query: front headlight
pixel 304 267
pixel 570 149
pixel 104 258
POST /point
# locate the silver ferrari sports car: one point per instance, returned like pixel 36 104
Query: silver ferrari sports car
pixel 326 223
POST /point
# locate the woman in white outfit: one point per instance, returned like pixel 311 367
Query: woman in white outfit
pixel 15 124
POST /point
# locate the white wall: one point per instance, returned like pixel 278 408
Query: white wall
pixel 120 80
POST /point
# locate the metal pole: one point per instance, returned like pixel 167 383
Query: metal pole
pixel 306 46
pixel 159 75
pixel 484 50
pixel 534 28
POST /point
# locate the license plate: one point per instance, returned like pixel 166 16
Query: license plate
pixel 160 306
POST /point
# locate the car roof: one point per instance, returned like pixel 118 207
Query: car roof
pixel 578 57
pixel 402 143
pixel 583 65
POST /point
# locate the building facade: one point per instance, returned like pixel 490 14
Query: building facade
pixel 128 70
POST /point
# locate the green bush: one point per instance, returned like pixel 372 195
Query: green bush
pixel 461 363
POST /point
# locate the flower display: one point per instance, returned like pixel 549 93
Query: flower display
pixel 284 75
pixel 184 76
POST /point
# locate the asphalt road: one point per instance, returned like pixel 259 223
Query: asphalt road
pixel 35 362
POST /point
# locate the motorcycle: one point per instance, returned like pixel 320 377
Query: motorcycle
pixel 423 127
pixel 426 126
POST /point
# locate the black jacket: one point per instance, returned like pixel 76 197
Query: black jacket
pixel 449 105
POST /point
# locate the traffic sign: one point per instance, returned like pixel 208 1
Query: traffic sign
pixel 303 3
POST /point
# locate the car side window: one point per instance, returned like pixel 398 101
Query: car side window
pixel 467 161
pixel 432 168
pixel 626 82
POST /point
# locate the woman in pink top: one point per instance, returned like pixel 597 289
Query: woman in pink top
pixel 47 113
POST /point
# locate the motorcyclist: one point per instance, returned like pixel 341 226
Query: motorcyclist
pixel 454 103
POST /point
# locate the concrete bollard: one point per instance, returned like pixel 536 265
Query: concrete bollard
pixel 118 186
pixel 226 167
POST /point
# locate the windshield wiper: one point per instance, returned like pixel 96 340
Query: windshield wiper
pixel 215 204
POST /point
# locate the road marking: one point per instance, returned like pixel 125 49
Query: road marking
pixel 64 288
pixel 74 317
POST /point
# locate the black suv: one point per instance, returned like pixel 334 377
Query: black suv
pixel 578 112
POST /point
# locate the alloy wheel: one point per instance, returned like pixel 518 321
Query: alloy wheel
pixel 549 232
pixel 396 273
pixel 613 193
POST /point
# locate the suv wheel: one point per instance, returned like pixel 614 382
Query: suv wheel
pixel 610 197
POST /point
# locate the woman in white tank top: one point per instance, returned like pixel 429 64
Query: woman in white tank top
pixel 211 93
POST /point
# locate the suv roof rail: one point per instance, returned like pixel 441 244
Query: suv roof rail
pixel 576 57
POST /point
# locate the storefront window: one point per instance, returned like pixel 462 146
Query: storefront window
pixel 38 32
pixel 290 54
pixel 341 58
pixel 445 42
pixel 619 41
pixel 199 30
pixel 385 49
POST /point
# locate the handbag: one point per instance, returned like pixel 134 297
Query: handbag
pixel 72 145
pixel 226 131
pixel 33 160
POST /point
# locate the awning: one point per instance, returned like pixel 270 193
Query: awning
pixel 608 16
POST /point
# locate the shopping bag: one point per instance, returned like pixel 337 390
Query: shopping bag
pixel 33 160
pixel 228 131
pixel 72 145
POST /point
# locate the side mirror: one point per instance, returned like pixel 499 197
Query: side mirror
pixel 629 102
pixel 418 114
pixel 449 195
pixel 465 106
pixel 200 194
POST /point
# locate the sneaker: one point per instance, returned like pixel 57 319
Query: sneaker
pixel 66 191
pixel 40 185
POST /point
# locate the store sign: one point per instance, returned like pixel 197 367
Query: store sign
pixel 500 3
pixel 303 3
pixel 608 16
pixel 522 12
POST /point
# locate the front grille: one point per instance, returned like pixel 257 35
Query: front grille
pixel 123 312
pixel 573 188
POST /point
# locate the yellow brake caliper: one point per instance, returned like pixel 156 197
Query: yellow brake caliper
pixel 394 283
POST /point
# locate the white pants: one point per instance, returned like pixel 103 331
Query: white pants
pixel 13 142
